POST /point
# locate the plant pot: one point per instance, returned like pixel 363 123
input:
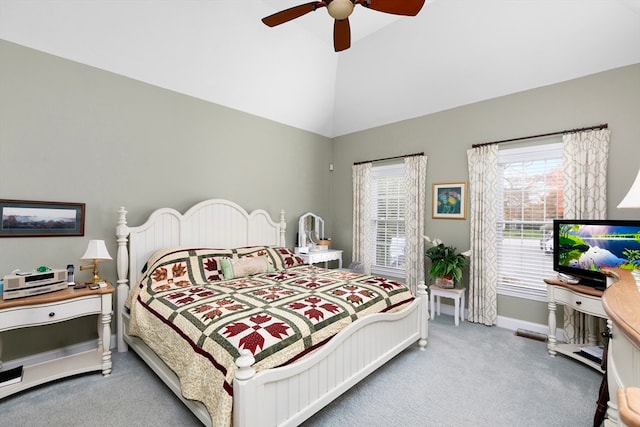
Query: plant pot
pixel 444 282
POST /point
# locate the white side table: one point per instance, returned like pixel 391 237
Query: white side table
pixel 323 256
pixel 54 307
pixel 457 294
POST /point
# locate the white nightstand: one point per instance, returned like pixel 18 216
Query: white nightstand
pixel 57 307
pixel 314 257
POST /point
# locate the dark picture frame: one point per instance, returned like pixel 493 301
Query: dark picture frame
pixel 450 200
pixel 29 218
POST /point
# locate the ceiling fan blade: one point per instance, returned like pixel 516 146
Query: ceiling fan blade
pixel 396 7
pixel 341 35
pixel 292 13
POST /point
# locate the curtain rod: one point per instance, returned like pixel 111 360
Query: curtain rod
pixel 598 127
pixel 389 158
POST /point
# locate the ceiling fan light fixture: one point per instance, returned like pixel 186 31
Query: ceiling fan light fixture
pixel 340 9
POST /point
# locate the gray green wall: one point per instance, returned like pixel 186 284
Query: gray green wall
pixel 611 97
pixel 73 133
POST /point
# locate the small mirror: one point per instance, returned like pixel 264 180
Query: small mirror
pixel 310 230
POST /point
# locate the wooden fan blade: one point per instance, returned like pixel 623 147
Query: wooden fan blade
pixel 396 7
pixel 292 13
pixel 341 35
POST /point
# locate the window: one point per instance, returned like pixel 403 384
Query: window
pixel 530 198
pixel 388 209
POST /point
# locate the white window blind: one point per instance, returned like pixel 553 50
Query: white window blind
pixel 530 198
pixel 388 210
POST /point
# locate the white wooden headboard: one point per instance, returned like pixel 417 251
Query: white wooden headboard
pixel 214 223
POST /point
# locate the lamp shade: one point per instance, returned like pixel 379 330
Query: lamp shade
pixel 632 199
pixel 96 250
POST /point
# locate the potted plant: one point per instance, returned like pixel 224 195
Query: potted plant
pixel 446 264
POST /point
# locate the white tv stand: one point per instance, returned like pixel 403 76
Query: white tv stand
pixel 581 298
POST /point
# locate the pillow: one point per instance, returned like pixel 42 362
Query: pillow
pixel 285 257
pixel 203 264
pixel 212 268
pixel 207 264
pixel 243 267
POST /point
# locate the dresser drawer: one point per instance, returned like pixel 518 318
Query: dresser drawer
pixel 581 302
pixel 42 314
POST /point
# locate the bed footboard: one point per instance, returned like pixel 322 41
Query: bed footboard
pixel 289 395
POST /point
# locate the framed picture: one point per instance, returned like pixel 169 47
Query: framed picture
pixel 26 218
pixel 449 200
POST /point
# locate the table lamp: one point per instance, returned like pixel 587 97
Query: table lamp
pixel 96 251
pixel 632 200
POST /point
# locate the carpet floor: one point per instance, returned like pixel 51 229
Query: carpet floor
pixel 470 375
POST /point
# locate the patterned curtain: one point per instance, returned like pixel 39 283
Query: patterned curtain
pixel 483 269
pixel 584 158
pixel 362 233
pixel 415 174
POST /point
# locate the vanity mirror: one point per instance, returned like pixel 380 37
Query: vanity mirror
pixel 310 230
pixel 313 245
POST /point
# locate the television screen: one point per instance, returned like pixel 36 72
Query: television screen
pixel 582 248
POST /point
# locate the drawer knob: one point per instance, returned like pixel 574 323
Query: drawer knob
pixel 578 302
pixel 52 314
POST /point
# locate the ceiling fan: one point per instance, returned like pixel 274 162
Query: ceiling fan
pixel 340 11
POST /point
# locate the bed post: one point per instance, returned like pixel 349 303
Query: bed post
pixel 424 315
pixel 244 391
pixel 283 229
pixel 122 260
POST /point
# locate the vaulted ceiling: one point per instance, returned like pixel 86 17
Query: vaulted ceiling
pixel 454 52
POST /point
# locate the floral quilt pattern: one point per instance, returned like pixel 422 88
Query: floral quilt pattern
pixel 278 316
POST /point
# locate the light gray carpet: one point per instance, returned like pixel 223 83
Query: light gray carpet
pixel 470 375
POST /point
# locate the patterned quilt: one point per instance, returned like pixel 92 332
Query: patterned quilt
pixel 197 308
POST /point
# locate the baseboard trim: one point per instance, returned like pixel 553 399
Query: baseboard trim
pixel 510 323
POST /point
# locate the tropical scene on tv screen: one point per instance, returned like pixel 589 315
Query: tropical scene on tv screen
pixel 593 247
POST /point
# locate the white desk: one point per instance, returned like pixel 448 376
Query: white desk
pixel 314 257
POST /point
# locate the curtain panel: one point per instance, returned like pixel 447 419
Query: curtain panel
pixel 483 267
pixel 584 159
pixel 362 242
pixel 415 185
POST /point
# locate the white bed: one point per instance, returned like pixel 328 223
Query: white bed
pixel 285 395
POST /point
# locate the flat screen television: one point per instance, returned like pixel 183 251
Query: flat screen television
pixel 582 248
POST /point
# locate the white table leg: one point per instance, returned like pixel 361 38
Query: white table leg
pixel 591 326
pixel 462 298
pixel 104 334
pixel 432 304
pixel 551 342
pixel 456 311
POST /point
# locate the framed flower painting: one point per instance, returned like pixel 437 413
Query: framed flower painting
pixel 449 200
